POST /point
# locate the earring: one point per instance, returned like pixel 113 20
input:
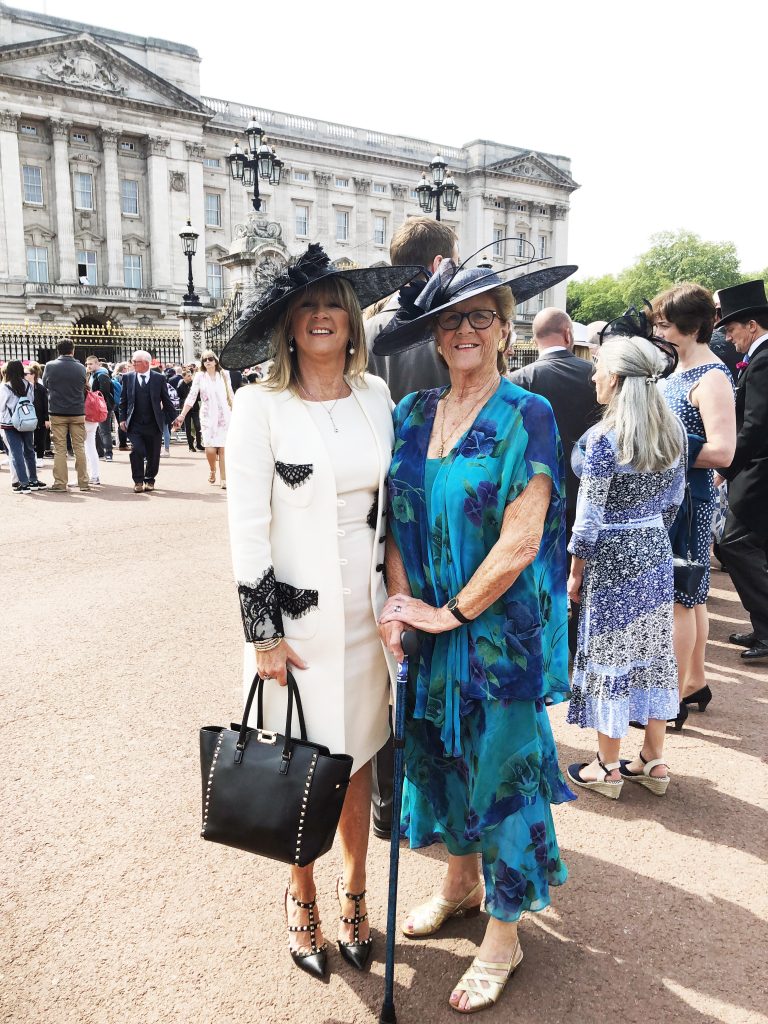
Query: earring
pixel 351 349
pixel 291 346
pixel 439 350
pixel 502 344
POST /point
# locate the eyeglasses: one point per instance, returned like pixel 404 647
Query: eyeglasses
pixel 209 359
pixel 479 319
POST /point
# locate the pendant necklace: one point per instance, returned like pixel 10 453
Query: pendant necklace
pixel 323 406
pixel 464 418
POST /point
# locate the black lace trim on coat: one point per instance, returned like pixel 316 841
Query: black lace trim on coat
pixel 262 619
pixel 373 514
pixel 295 602
pixel 293 475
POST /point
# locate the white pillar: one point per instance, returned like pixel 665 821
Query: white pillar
pixel 13 253
pixel 322 181
pixel 112 209
pixel 195 152
pixel 65 219
pixel 159 225
pixel 191 327
pixel 363 227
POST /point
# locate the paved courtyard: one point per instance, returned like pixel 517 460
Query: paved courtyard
pixel 121 637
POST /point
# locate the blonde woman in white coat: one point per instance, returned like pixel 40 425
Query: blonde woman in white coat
pixel 308 451
pixel 213 386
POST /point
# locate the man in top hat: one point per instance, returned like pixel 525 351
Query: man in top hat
pixel 744 547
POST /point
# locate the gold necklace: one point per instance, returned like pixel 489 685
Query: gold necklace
pixel 323 405
pixel 464 418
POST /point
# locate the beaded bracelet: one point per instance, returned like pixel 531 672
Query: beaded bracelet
pixel 268 645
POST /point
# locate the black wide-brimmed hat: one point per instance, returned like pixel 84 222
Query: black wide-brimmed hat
pixel 421 302
pixel 252 341
pixel 741 302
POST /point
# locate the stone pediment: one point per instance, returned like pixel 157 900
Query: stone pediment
pixel 533 166
pixel 81 65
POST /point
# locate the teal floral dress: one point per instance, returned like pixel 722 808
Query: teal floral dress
pixel 481 763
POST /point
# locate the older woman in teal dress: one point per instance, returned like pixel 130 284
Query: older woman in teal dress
pixel 476 562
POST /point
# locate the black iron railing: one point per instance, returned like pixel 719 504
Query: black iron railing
pixel 220 328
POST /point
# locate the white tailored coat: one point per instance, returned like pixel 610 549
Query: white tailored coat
pixel 285 549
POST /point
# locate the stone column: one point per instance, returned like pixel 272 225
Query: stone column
pixel 363 225
pixel 398 205
pixel 159 223
pixel 191 328
pixel 322 180
pixel 112 209
pixel 559 252
pixel 13 253
pixel 65 219
pixel 195 153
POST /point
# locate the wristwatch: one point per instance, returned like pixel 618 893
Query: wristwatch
pixel 453 608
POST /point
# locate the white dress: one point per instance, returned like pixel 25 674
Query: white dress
pixel 355 464
pixel 215 406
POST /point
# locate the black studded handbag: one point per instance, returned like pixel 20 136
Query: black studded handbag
pixel 268 793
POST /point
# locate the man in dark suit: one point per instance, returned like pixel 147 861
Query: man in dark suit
pixel 744 547
pixel 566 382
pixel 145 407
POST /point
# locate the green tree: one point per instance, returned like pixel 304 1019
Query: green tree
pixel 680 256
pixel 595 298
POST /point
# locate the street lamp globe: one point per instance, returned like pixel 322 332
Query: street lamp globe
pixel 424 192
pixel 248 171
pixel 451 193
pixel 438 166
pixel 254 132
pixel 265 161
pixel 189 240
pixel 237 161
pixel 277 167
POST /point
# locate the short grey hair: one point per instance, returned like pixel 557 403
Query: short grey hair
pixel 141 354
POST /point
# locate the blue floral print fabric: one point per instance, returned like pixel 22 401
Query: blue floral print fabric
pixel 481 763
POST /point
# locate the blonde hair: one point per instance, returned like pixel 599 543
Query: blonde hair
pixel 649 436
pixel 207 355
pixel 281 375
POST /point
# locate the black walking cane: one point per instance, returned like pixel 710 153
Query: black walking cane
pixel 410 644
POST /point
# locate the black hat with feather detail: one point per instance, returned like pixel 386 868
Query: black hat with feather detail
pixel 251 342
pixel 636 323
pixel 421 302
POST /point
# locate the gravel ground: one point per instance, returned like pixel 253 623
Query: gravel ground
pixel 121 637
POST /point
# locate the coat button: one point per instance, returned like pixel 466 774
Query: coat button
pixel 380 567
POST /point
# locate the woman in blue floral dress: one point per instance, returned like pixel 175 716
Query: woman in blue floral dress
pixel 632 481
pixel 701 393
pixel 476 561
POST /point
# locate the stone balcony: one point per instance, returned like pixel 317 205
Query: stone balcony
pixel 96 291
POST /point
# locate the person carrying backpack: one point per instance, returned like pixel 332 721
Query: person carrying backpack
pixel 18 421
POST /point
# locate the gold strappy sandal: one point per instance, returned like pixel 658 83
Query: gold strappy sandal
pixel 484 982
pixel 430 917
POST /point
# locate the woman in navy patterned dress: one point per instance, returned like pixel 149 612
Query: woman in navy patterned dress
pixel 632 482
pixel 700 392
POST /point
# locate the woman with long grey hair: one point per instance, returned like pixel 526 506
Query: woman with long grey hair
pixel 632 471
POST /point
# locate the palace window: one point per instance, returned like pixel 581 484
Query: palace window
pixel 211 161
pixel 300 175
pixel 28 129
pixel 132 272
pixel 341 182
pixel 302 221
pixel 88 260
pixel 79 137
pixel 127 147
pixel 542 210
pixel 379 230
pixel 32 178
pixel 83 191
pixel 542 246
pixel 498 243
pixel 129 197
pixel 342 226
pixel 214 278
pixel 37 264
pixel 379 188
pixel 522 244
pixel 212 210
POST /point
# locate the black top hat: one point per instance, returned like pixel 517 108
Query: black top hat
pixel 742 301
pixel 421 302
pixel 252 341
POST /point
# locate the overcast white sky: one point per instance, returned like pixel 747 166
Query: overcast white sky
pixel 660 105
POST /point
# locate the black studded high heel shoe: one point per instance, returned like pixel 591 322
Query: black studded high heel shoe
pixel 682 714
pixel 701 697
pixel 357 952
pixel 315 961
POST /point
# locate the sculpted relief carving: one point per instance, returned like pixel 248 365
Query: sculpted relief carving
pixel 256 229
pixel 178 181
pixel 81 69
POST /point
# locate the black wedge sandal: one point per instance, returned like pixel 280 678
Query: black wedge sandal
pixel 357 952
pixel 315 961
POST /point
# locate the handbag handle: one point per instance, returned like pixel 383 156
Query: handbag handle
pixel 257 686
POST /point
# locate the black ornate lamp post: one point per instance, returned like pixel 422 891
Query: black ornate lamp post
pixel 259 161
pixel 442 187
pixel 189 244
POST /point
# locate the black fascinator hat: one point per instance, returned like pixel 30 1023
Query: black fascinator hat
pixel 252 341
pixel 637 324
pixel 422 300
